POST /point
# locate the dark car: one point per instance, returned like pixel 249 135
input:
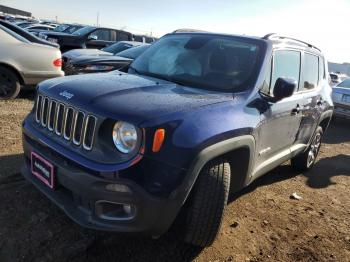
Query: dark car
pixel 89 37
pixel 25 34
pixel 103 63
pixel 197 116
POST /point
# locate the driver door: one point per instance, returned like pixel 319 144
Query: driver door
pixel 279 124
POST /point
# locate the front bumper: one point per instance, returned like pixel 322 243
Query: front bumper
pixel 77 193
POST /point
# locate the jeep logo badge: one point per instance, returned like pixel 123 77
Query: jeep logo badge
pixel 66 94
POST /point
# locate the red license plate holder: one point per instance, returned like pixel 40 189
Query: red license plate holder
pixel 43 170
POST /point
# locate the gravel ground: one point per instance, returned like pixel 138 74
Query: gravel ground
pixel 262 223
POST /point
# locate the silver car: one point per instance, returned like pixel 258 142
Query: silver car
pixel 23 63
pixel 341 99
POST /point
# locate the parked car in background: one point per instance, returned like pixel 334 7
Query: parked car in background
pixel 107 51
pixel 61 29
pixel 24 24
pixel 196 117
pixel 336 78
pixel 30 37
pixel 341 99
pixel 23 63
pixel 37 28
pixel 48 22
pixel 96 63
pixel 144 38
pixel 89 37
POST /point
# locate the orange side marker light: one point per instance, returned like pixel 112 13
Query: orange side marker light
pixel 158 140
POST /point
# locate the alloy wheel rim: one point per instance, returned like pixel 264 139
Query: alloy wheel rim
pixel 314 149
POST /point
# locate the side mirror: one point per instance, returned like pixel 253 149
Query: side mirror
pixel 284 87
pixel 92 37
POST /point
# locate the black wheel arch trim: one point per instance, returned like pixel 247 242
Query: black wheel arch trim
pixel 327 114
pixel 178 198
pixel 214 151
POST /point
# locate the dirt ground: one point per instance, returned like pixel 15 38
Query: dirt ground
pixel 261 224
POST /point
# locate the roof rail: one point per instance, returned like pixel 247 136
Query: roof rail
pixel 274 35
pixel 188 30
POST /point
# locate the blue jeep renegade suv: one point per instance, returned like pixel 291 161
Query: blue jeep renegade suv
pixel 194 118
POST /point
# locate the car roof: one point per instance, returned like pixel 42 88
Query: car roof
pixel 284 41
pixel 274 40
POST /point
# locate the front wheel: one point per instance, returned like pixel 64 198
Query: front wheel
pixel 207 203
pixel 307 160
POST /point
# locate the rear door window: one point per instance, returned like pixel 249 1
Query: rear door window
pixel 122 36
pixel 102 34
pixel 310 74
pixel 286 64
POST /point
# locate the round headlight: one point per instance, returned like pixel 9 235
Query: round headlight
pixel 124 137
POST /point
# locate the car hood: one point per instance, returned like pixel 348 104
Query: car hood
pixel 128 97
pixel 100 59
pixel 85 52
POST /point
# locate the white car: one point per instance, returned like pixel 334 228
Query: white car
pixel 341 99
pixel 23 63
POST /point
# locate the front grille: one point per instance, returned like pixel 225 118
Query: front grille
pixel 66 121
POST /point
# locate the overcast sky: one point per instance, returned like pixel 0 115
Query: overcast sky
pixel 324 23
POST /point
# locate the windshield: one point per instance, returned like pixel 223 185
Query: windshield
pixel 117 47
pixel 84 30
pixel 60 28
pixel 134 52
pixel 345 83
pixel 215 62
pixel 72 29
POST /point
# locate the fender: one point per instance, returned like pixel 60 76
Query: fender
pixel 213 151
pixel 178 198
pixel 326 114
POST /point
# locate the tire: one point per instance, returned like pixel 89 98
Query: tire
pixel 9 84
pixel 305 161
pixel 207 204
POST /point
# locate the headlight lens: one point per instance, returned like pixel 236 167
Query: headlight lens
pixel 124 137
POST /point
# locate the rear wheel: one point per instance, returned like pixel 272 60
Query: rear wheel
pixel 9 84
pixel 307 160
pixel 207 203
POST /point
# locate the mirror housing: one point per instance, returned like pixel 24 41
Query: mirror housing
pixel 284 87
pixel 92 37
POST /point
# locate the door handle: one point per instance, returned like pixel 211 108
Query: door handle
pixel 296 110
